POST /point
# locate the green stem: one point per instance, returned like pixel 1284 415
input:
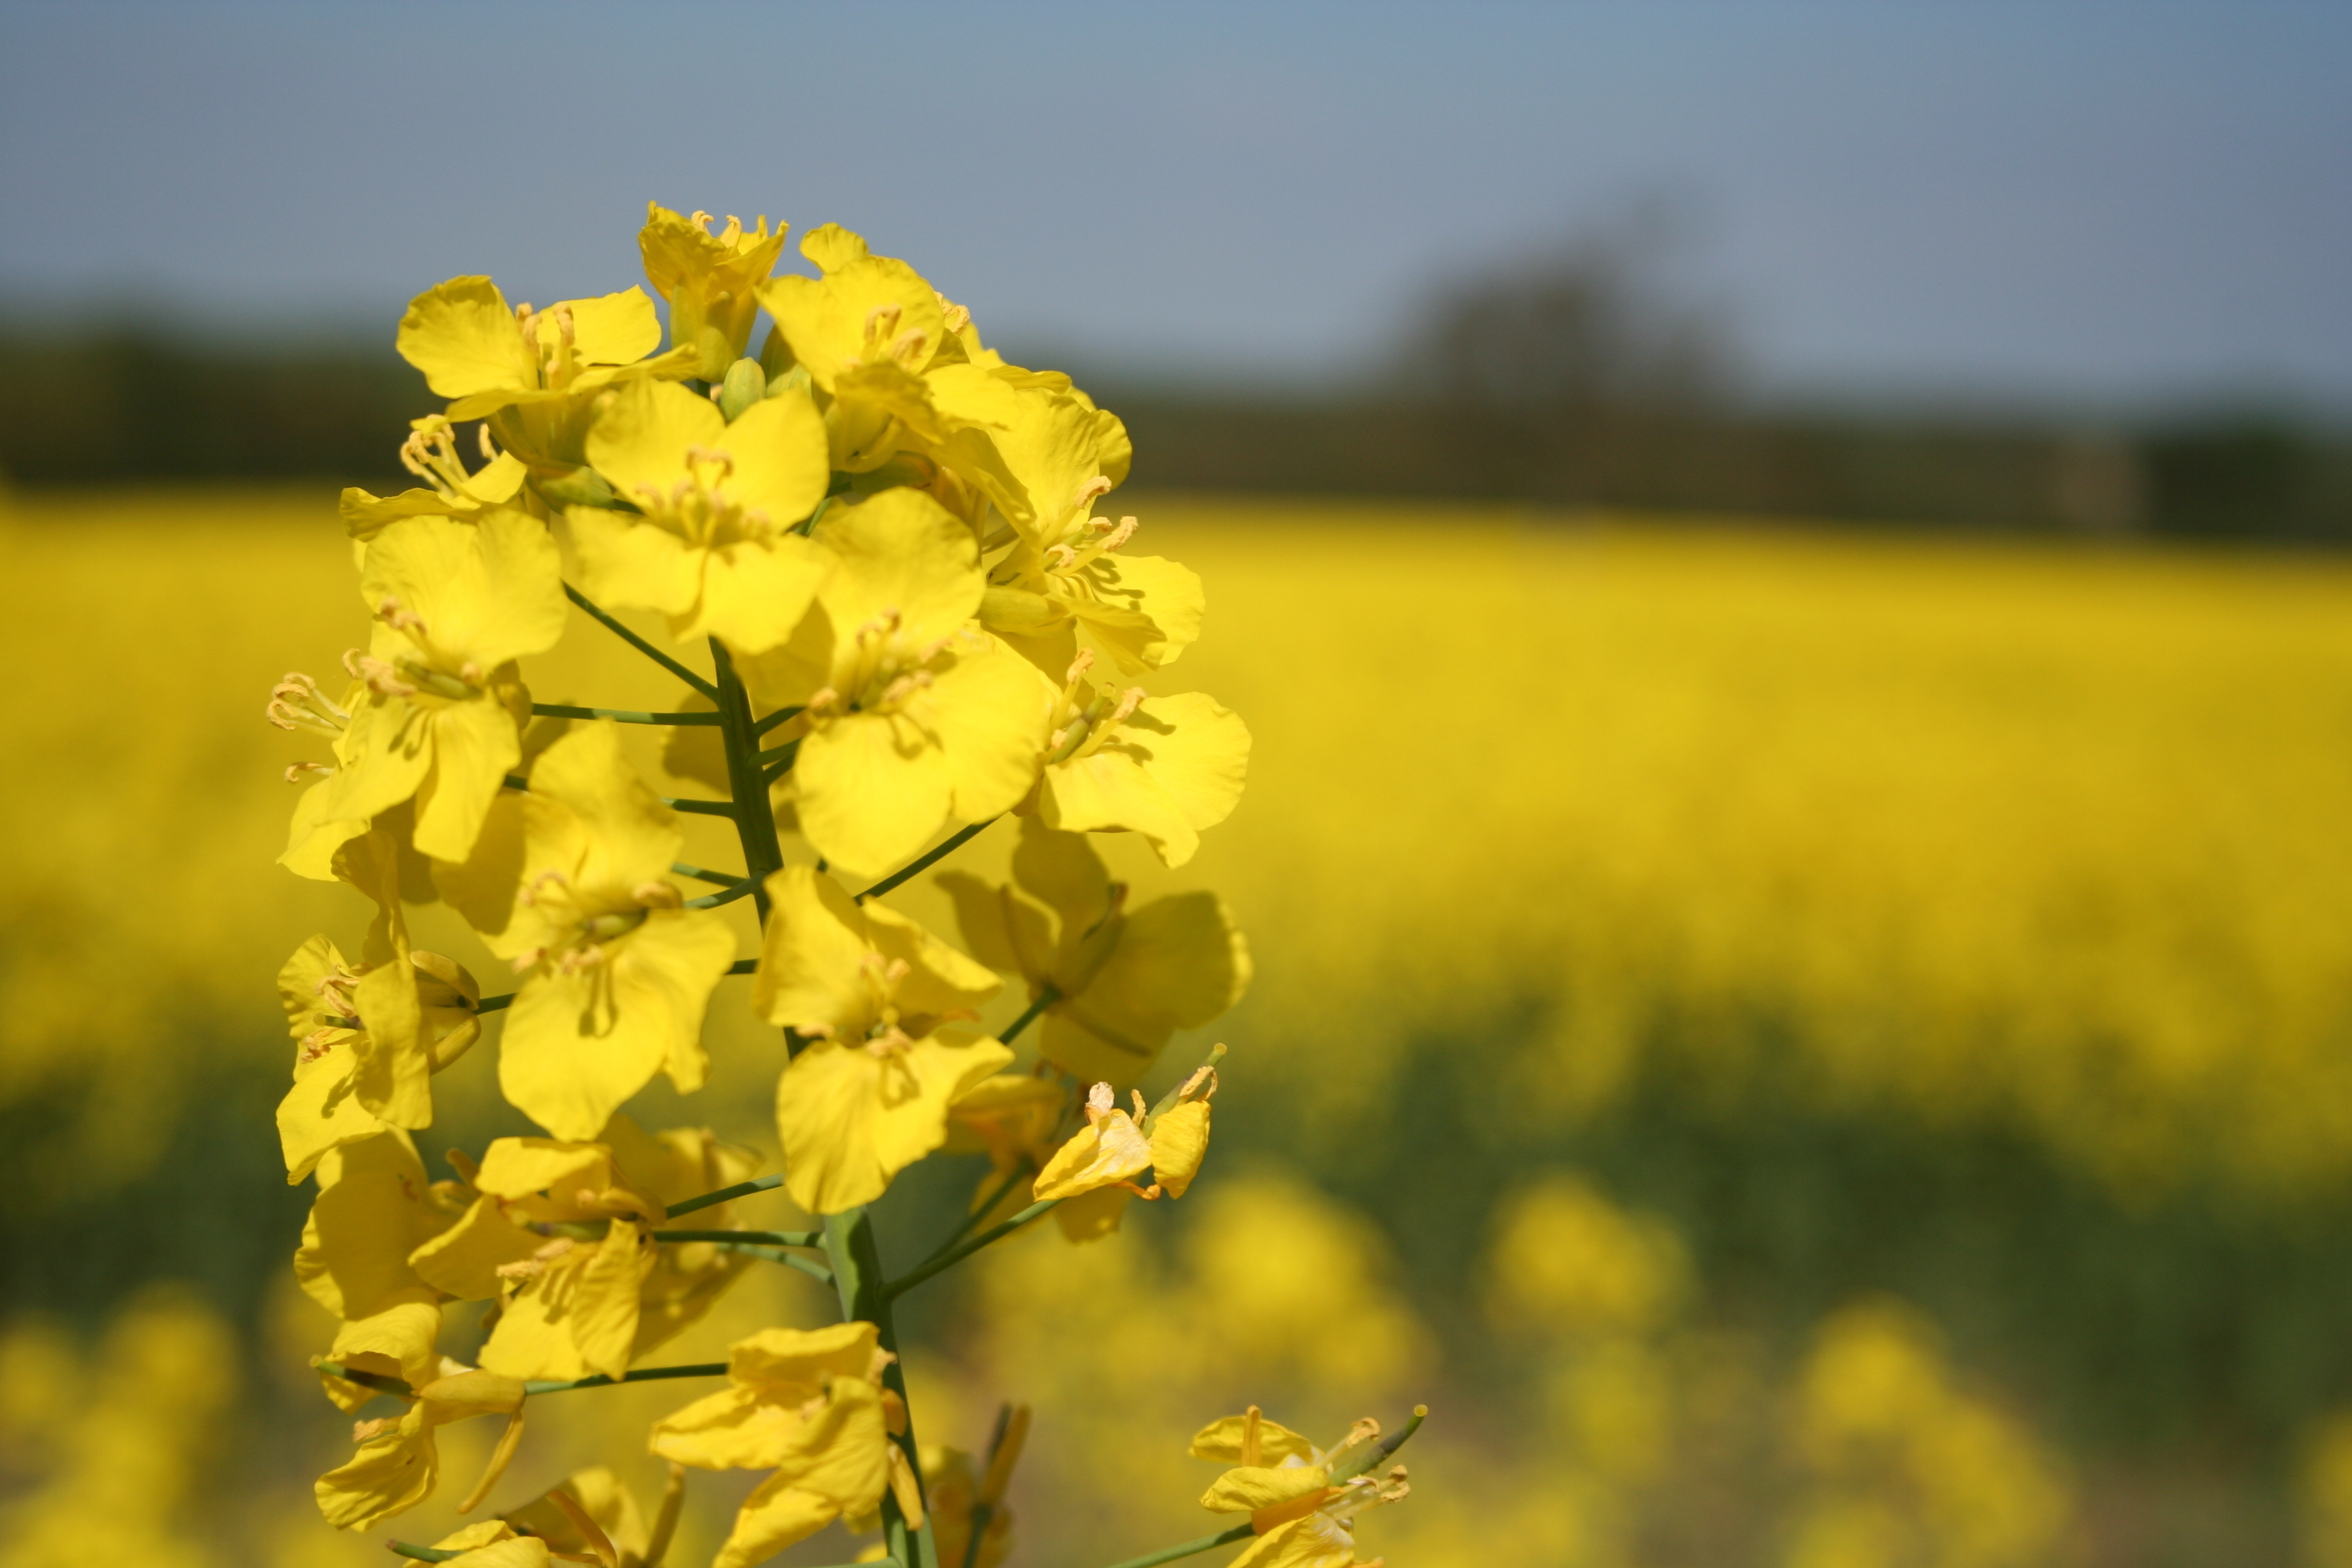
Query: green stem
pixel 375 1380
pixel 808 1265
pixel 642 1374
pixel 621 715
pixel 702 807
pixel 1012 1179
pixel 940 852
pixel 763 1237
pixel 946 1260
pixel 755 824
pixel 421 1554
pixel 1241 1531
pixel 725 1195
pixel 742 889
pixel 1045 998
pixel 781 716
pixel 724 878
pixel 635 641
pixel 866 1298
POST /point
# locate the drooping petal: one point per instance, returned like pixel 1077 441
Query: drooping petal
pixel 850 1118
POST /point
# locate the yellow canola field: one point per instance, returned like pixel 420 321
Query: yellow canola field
pixel 1992 829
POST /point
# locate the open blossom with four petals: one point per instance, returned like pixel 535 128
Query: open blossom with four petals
pixel 807 1405
pixel 441 700
pixel 1068 571
pixel 450 491
pixel 710 545
pixel 1165 767
pixel 1116 983
pixel 914 718
pixel 569 882
pixel 879 997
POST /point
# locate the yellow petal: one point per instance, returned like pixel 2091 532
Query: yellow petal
pixel 463 336
pixel 872 790
pixel 1224 1440
pixel 473 746
pixel 322 1111
pixel 1179 1140
pixel 901 552
pixel 392 1472
pixel 773 1517
pixel 1314 1541
pixel 850 1120
pixel 399 1339
pixel 612 329
pixel 463 1261
pixel 1248 1488
pixel 1104 1153
pixel 828 320
pixel 990 710
pixel 626 562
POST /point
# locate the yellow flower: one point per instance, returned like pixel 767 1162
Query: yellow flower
pixel 869 1094
pixel 592 1513
pixel 456 604
pixel 1165 767
pixel 368 1036
pixel 1067 570
pixel 711 281
pixel 710 545
pixel 916 717
pixel 398 1460
pixel 569 883
pixel 1119 982
pixel 809 1406
pixel 1301 1501
pixel 1169 1140
pixel 374 1207
pixel 431 454
pixel 570 1306
pixel 485 356
pixel 867 331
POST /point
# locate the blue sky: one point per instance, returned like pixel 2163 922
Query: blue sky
pixel 2111 202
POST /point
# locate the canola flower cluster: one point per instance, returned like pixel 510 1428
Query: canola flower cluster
pixel 882 536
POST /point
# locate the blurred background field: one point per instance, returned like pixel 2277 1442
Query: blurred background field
pixel 1805 1047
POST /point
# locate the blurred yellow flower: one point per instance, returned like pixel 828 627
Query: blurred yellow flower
pixel 808 1405
pixel 710 545
pixel 1117 984
pixel 569 882
pixel 710 281
pixel 873 992
pixel 454 606
pixel 916 717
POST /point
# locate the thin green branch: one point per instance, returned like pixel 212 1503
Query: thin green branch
pixel 760 1237
pixel 642 1374
pixel 642 646
pixel 725 1195
pixel 1241 1531
pixel 781 716
pixel 421 1554
pixel 1376 1456
pixel 954 1256
pixel 986 1206
pixel 744 966
pixel 702 807
pixel 622 715
pixel 497 1004
pixel 924 861
pixel 1045 998
pixel 743 888
pixel 724 878
pixel 808 1265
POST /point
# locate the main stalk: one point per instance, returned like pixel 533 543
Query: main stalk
pixel 849 1244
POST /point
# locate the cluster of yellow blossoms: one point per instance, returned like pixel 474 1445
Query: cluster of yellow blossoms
pixel 882 538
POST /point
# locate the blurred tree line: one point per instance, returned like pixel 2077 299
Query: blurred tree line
pixel 1567 380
